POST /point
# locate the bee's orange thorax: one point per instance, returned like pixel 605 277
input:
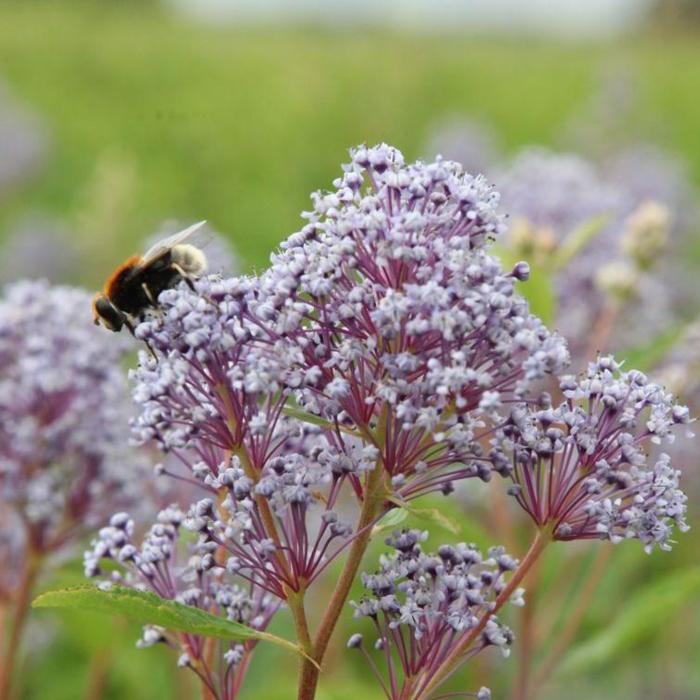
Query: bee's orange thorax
pixel 116 277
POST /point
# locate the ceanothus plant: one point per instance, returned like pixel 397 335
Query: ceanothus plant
pixel 383 356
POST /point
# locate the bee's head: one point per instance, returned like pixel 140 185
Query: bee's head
pixel 106 314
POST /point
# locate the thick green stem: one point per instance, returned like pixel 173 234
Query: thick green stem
pixel 20 609
pixel 308 679
pixel 454 659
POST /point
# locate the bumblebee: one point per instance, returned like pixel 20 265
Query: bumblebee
pixel 133 288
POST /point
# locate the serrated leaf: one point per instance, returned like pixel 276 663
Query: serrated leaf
pixel 640 619
pixel 393 518
pixel 147 608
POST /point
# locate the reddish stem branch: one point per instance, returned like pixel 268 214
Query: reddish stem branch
pixel 574 620
pixel 17 623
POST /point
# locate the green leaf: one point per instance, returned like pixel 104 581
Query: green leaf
pixel 434 515
pixel 639 620
pixel 296 412
pixel 147 608
pixel 393 518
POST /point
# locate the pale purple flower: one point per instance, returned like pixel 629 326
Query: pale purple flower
pixel 551 195
pixel 402 320
pixel 582 469
pixel 465 141
pixel 65 463
pixel 190 575
pixel 384 321
pixel 422 606
pixel 39 247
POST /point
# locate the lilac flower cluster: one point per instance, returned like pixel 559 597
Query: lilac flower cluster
pixel 385 317
pixel 580 468
pixel 370 364
pixel 422 606
pixel 196 578
pixel 64 412
pixel 216 400
pixel 405 325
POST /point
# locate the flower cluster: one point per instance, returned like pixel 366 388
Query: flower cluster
pixel 64 412
pixel 277 529
pixel 409 332
pixel 424 605
pixel 581 469
pixel 384 319
pixel 194 578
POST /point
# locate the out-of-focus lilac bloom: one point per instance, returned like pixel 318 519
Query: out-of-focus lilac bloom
pixel 465 141
pixel 23 142
pixel 39 248
pixel 549 197
pixel 65 463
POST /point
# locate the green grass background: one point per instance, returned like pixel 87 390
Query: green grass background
pixel 174 120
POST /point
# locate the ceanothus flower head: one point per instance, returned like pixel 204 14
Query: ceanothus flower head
pixel 424 605
pixel 191 575
pixel 406 326
pixel 581 468
pixel 65 463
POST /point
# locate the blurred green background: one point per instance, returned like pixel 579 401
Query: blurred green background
pixel 150 116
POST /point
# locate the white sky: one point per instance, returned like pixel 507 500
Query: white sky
pixel 563 18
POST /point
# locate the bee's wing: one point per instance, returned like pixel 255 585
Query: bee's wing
pixel 166 244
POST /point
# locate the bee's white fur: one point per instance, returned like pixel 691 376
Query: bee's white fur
pixel 190 258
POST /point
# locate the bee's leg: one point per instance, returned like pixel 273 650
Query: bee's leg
pixel 184 275
pixel 148 294
pixel 189 282
pixel 130 327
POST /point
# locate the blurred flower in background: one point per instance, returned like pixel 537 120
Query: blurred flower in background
pixel 23 142
pixel 65 460
pixel 606 246
pixel 466 141
pixel 39 247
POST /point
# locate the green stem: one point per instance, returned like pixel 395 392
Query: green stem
pixel 454 659
pixel 308 679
